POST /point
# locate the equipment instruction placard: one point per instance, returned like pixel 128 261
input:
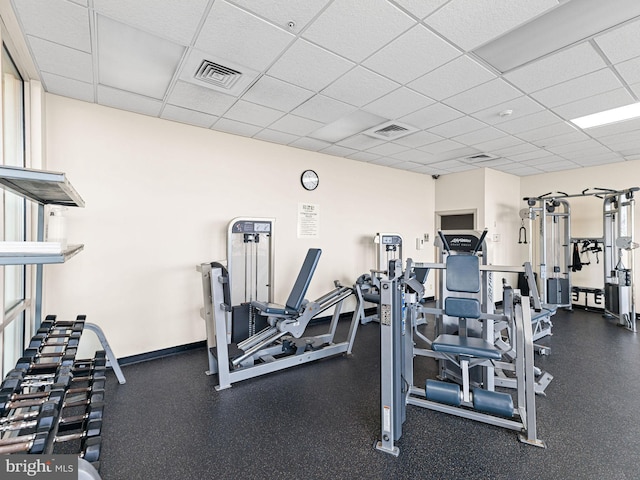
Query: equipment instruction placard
pixel 308 220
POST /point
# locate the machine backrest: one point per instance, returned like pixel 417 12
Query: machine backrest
pixel 463 275
pixel 294 302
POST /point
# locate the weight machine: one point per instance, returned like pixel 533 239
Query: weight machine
pixel 280 343
pixel 472 399
pixel 555 242
pixel 367 286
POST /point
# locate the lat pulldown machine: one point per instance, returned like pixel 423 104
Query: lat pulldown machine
pixel 555 257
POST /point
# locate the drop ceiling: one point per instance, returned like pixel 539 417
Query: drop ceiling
pixel 323 75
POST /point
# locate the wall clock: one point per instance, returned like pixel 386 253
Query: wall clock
pixel 309 180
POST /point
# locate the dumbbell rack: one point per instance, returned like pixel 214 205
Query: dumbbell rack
pixel 52 402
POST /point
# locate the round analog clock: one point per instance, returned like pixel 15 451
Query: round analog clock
pixel 309 180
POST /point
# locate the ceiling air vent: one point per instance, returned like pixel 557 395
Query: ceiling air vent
pixel 218 75
pixel 390 131
pixel 479 158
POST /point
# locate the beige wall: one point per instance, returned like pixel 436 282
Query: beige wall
pixel 159 196
pixel 495 196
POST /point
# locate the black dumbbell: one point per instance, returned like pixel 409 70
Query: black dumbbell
pixel 91 449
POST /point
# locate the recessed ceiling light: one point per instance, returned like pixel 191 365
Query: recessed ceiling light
pixel 565 25
pixel 614 115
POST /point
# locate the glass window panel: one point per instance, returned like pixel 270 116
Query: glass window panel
pixel 13 153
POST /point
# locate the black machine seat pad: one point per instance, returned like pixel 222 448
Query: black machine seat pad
pixel 470 346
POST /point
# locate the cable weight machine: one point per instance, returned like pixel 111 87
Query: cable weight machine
pixel 554 250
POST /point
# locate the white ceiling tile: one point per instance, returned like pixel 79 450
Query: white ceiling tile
pixel 338 151
pixel 199 98
pixel 553 130
pixel 520 107
pixel 461 168
pixel 429 170
pixel 61 60
pixel 582 87
pixel 456 153
pixel 521 171
pixel 132 60
pixel 274 93
pixel 599 151
pixel 68 87
pixel 398 103
pixel 418 139
pixel 409 166
pixel 360 142
pixel 515 149
pixel 495 162
pixel 615 128
pixel 595 103
pixel 498 143
pixel 226 23
pixel 386 161
pixel 388 148
pixel 557 166
pixel 351 124
pixel 459 126
pixel 420 8
pixel 442 146
pixel 479 136
pixel 295 125
pixel 247 112
pixel 630 70
pixel 415 156
pixel 529 122
pixel 84 3
pixel 310 144
pixel 173 20
pixel 275 136
pixel 567 138
pixel 632 157
pixel 598 159
pixel 469 23
pixel 57 21
pixel 557 68
pixel 294 66
pixel 359 87
pixel 184 115
pixel 112 97
pixel 236 128
pixel 621 43
pixel 364 156
pixel 431 116
pixel 635 88
pixel 579 146
pixel 411 55
pixel 456 76
pixel 448 164
pixel 534 157
pixel 301 12
pixel 357 29
pixel 632 144
pixel 483 96
pixel 618 138
pixel 323 109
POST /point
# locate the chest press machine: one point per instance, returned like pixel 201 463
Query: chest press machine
pixel 467 397
pixel 281 343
